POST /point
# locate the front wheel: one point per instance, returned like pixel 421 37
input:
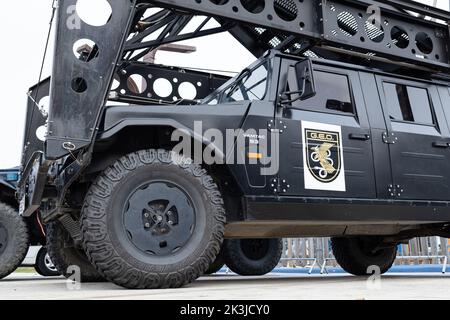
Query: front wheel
pixel 44 265
pixel 14 240
pixel 359 255
pixel 252 257
pixel 153 220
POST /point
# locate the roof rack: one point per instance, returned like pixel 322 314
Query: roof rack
pixel 394 30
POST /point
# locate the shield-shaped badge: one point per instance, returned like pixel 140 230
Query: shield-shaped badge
pixel 323 159
pixel 324 154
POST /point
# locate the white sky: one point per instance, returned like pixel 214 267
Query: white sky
pixel 23 39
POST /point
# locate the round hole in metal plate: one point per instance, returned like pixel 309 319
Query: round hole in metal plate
pixel 253 6
pixel 41 133
pixel 286 9
pixel 400 37
pixel 79 85
pixel 85 50
pixel 424 43
pixel 374 30
pixel 137 84
pixel 94 12
pixel 162 87
pixel 44 105
pixel 187 90
pixel 347 23
pixel 219 2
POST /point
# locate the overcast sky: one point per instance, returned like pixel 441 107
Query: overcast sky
pixel 23 37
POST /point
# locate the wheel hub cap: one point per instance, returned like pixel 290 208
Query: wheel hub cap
pixel 159 218
pixel 48 263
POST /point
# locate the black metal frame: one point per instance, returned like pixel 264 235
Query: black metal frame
pixel 293 27
pixel 35 118
pixel 126 91
pixel 317 21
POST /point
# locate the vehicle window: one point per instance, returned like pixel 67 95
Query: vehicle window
pixel 333 94
pixel 408 103
pixel 252 86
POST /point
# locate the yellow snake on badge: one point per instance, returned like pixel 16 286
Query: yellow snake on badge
pixel 322 154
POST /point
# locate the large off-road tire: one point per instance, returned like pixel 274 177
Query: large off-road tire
pixel 153 220
pixel 44 265
pixel 65 255
pixel 356 254
pixel 252 257
pixel 217 264
pixel 14 240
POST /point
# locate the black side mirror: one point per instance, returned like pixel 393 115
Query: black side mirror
pixel 305 78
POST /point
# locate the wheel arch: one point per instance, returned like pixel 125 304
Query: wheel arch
pixel 133 135
pixel 137 135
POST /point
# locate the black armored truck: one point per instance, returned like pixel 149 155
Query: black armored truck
pixel 341 128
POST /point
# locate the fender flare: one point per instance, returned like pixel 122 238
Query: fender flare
pixel 153 122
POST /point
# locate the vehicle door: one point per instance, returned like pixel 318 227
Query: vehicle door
pixel 418 139
pixel 326 144
pixel 250 151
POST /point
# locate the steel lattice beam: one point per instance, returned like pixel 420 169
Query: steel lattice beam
pixel 344 24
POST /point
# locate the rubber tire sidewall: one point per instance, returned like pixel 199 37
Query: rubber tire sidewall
pixel 218 264
pixel 352 259
pixel 105 238
pixel 18 240
pixel 239 263
pixel 64 257
pixel 41 267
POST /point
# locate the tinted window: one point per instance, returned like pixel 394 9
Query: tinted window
pixel 251 87
pixel 407 103
pixel 333 94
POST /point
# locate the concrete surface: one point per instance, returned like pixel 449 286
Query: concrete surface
pixel 222 286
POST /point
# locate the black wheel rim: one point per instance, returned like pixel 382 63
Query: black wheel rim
pixel 255 249
pixel 3 238
pixel 159 218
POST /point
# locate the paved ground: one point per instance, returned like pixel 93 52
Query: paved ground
pixel 221 286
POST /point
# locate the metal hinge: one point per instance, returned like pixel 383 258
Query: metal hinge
pixel 279 185
pixel 276 126
pixel 395 190
pixel 389 138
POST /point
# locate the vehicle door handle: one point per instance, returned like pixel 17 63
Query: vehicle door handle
pixel 441 144
pixel 356 136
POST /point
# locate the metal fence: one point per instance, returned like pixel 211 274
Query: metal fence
pixel 316 252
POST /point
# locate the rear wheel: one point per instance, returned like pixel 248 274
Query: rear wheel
pixel 153 220
pixel 14 240
pixel 252 257
pixel 44 265
pixel 67 257
pixel 357 254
